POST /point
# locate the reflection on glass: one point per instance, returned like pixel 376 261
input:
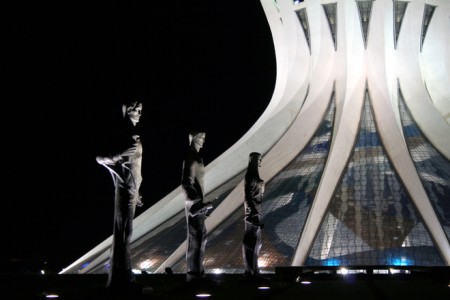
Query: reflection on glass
pixel 433 168
pixel 371 219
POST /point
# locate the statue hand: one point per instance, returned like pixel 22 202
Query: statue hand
pixel 139 202
pixel 102 160
pixel 130 151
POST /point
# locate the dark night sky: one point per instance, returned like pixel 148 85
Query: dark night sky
pixel 196 65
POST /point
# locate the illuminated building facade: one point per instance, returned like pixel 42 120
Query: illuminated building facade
pixel 355 144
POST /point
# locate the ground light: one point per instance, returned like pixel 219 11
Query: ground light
pixel 51 296
pixel 203 295
pixel 299 280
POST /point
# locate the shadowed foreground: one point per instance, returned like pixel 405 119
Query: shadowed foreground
pixel 286 283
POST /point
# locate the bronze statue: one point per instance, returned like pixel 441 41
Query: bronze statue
pixel 196 209
pixel 251 244
pixel 124 164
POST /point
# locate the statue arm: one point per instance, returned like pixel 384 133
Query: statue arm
pixel 194 202
pixel 252 215
pixel 197 207
pixel 188 181
pixel 119 157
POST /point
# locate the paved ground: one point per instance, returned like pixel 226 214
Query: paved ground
pixel 290 285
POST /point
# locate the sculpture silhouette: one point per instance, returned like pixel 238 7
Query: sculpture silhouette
pixel 254 190
pixel 125 168
pixel 196 210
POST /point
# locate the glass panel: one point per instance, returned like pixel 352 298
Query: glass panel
pixel 331 13
pixel 371 219
pixel 303 18
pixel 364 10
pixel 427 15
pixel 399 13
pixel 433 168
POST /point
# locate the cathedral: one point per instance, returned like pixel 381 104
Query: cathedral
pixel 355 144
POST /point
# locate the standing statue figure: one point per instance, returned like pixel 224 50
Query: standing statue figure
pixel 251 244
pixel 124 164
pixel 195 207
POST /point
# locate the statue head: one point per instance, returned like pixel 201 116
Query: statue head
pixel 197 139
pixel 254 162
pixel 255 159
pixel 132 110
